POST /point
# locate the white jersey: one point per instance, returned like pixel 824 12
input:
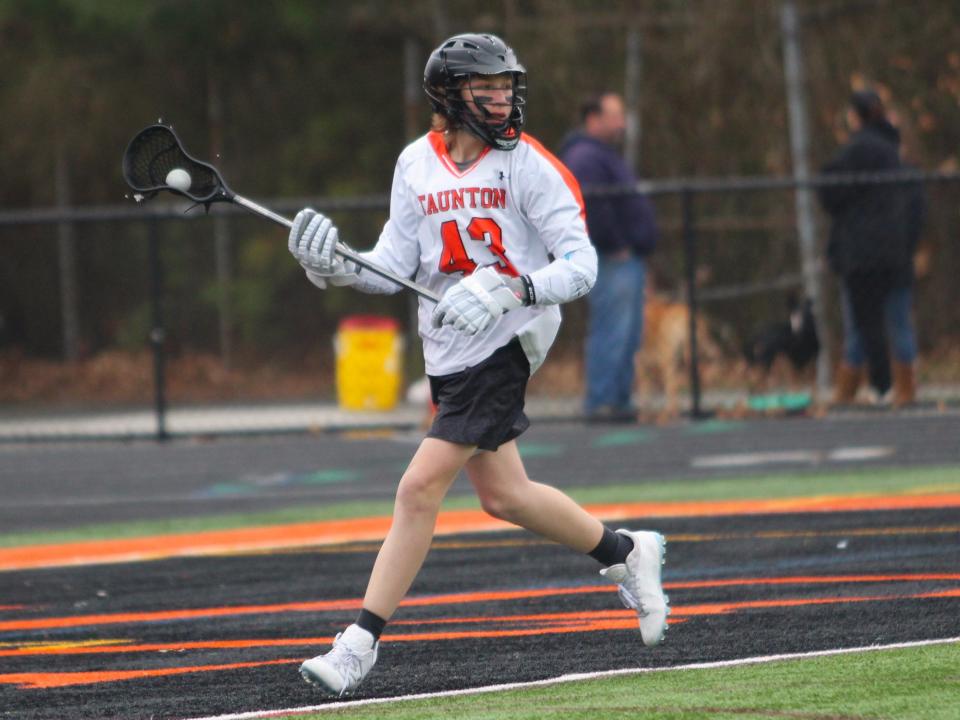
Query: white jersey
pixel 513 209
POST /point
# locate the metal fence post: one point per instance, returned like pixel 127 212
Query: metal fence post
pixel 807 231
pixel 690 261
pixel 157 333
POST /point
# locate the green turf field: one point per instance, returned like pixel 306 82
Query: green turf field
pixel 921 683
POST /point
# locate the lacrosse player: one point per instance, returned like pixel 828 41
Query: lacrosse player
pixel 477 211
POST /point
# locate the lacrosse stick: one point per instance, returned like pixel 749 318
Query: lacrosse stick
pixel 155 160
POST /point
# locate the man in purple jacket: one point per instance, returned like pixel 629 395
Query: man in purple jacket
pixel 623 230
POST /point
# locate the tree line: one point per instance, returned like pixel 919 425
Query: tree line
pixel 299 99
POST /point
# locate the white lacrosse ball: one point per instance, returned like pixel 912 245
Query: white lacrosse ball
pixel 179 179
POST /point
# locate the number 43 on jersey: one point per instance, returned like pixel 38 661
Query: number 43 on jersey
pixel 455 257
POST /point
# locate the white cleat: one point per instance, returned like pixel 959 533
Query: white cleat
pixel 341 670
pixel 638 581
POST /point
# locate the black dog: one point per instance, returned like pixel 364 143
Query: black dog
pixel 795 338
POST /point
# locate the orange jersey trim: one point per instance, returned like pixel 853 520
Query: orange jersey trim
pixel 564 171
pixel 443 152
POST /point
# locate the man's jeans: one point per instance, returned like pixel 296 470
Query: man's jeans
pixel 614 333
pixel 898 314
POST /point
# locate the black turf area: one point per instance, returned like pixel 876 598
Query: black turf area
pixel 907 544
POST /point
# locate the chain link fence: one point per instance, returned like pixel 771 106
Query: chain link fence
pixel 147 310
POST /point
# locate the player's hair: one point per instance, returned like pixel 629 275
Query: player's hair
pixel 439 123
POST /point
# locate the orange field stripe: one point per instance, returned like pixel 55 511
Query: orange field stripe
pixel 811 580
pixel 540 623
pixel 502 595
pixel 574 616
pixel 557 623
pixel 446 599
pixel 681 611
pixel 319 606
pixel 161 546
pixel 168 615
pixel 550 622
pixel 955 593
pixel 39 680
pixel 449 522
pixel 45 680
pixel 166 647
pixel 725 608
pixel 626 623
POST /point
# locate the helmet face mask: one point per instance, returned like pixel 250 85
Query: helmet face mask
pixel 461 80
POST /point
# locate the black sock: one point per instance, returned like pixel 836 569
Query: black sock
pixel 612 549
pixel 373 624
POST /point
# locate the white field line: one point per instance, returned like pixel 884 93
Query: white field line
pixel 575 677
pixel 810 457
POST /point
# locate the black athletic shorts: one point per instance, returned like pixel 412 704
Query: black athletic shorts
pixel 483 405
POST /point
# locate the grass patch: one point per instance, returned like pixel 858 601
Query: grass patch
pixel 885 480
pixel 921 683
pixel 907 480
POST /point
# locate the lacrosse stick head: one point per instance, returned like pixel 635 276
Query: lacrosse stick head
pixel 151 162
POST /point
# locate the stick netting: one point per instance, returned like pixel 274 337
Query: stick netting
pixel 156 151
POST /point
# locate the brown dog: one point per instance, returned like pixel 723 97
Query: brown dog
pixel 666 350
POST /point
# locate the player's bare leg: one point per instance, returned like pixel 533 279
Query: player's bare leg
pixel 507 493
pixel 422 488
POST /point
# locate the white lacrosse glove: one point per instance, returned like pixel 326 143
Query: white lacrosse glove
pixel 476 301
pixel 313 242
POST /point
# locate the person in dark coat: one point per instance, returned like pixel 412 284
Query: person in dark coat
pixel 871 241
pixel 623 230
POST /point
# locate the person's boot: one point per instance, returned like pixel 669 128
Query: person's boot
pixel 904 384
pixel 846 384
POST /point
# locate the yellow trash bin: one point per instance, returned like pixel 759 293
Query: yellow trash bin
pixel 368 351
